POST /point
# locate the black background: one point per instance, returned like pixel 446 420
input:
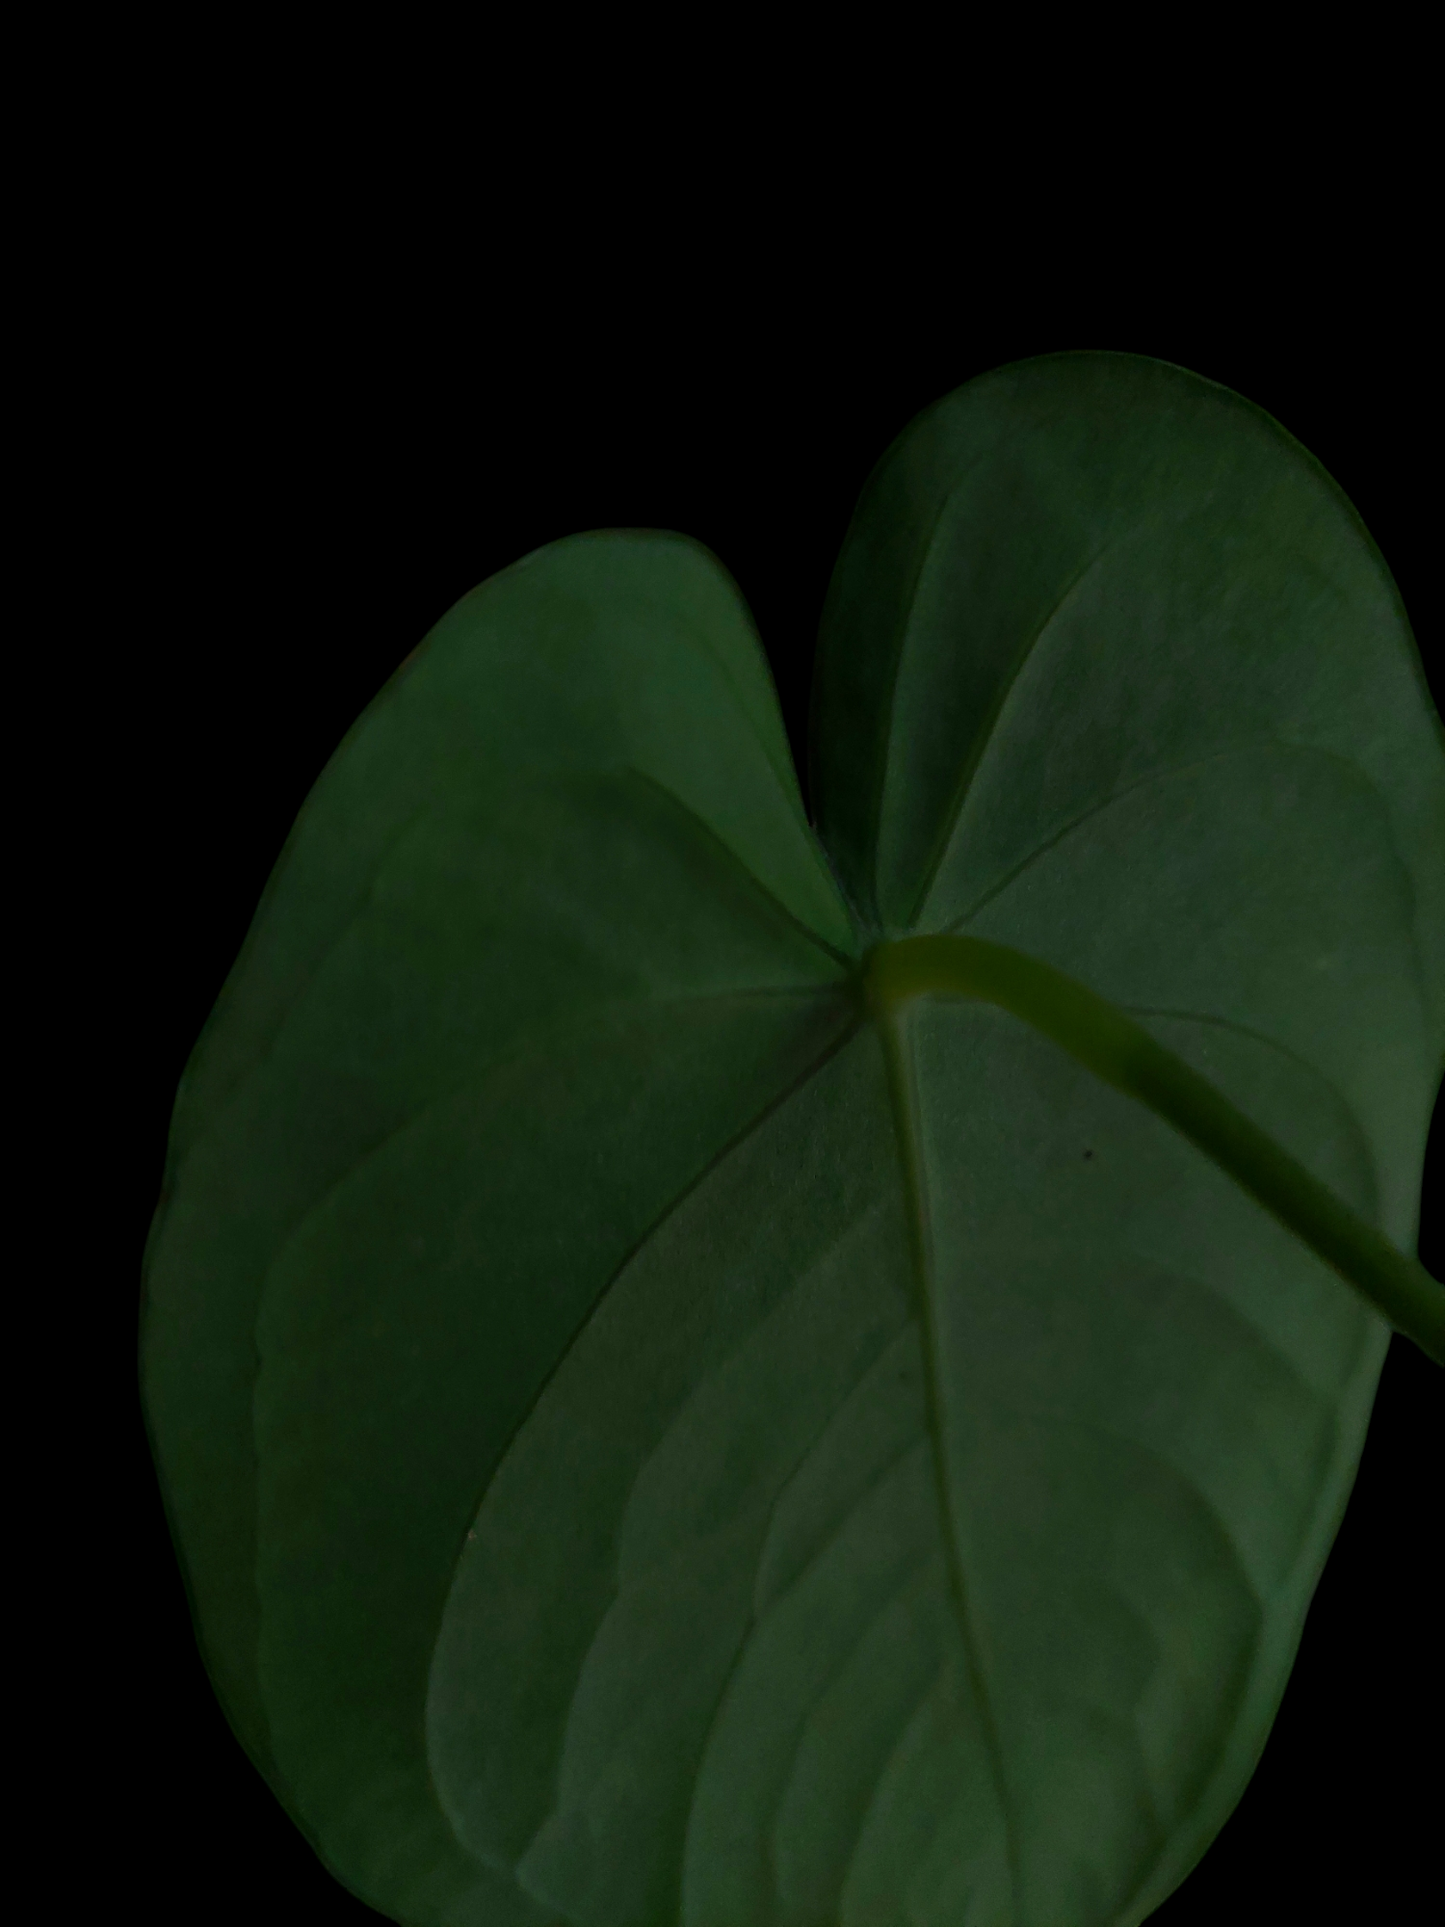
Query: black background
pixel 304 485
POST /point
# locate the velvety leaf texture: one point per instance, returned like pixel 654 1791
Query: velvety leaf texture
pixel 654 1439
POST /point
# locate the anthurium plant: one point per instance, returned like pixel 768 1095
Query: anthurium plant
pixel 709 1369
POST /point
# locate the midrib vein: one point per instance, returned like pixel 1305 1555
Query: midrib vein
pixel 903 1089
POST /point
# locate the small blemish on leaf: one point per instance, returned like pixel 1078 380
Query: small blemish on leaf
pixel 1088 1154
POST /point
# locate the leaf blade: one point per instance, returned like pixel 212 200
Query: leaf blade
pixel 390 952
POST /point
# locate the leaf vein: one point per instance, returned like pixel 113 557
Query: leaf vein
pixel 903 1084
pixel 984 741
pixel 910 1574
pixel 915 1712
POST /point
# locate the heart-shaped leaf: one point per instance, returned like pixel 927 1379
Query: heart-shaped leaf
pixel 703 1383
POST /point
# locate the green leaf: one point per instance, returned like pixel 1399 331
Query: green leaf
pixel 692 1393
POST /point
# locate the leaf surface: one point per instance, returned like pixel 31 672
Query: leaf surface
pixel 657 1440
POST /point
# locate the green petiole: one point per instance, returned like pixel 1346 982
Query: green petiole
pixel 1124 1055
